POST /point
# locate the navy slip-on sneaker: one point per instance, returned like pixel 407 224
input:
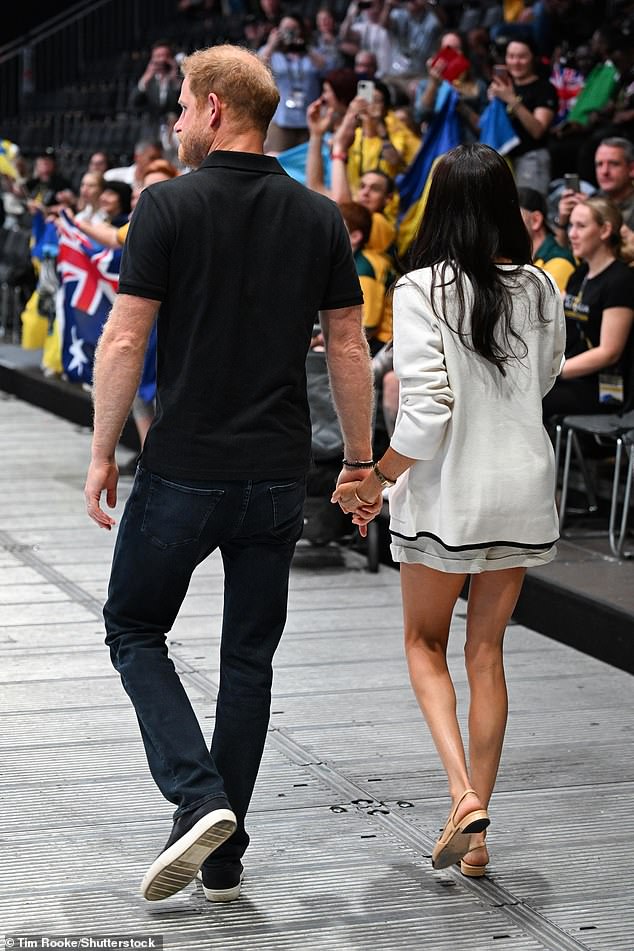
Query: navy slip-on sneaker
pixel 194 837
pixel 222 883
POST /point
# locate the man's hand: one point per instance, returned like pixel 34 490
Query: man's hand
pixel 567 202
pixel 345 494
pixel 103 475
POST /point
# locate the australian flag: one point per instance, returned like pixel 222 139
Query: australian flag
pixel 89 275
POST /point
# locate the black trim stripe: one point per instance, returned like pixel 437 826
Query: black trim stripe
pixel 412 538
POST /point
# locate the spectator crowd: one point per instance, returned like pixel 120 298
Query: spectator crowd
pixel 371 94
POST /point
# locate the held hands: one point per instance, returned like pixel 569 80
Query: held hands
pixel 353 503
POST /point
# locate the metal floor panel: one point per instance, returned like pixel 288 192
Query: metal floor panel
pixel 604 923
pixel 58 696
pixel 59 611
pixel 329 868
pixel 79 634
pixel 326 907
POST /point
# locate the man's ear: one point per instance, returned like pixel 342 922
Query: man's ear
pixel 215 110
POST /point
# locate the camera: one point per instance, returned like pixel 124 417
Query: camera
pixel 292 41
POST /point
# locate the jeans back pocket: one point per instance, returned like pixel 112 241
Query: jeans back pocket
pixel 176 514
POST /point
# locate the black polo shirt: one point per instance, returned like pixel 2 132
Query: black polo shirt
pixel 242 258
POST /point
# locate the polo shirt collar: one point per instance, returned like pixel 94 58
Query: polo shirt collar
pixel 243 161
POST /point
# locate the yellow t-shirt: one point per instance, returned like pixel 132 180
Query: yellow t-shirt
pixel 559 268
pixel 364 156
pixel 122 233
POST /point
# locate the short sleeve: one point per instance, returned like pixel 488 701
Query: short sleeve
pixel 619 290
pixel 426 399
pixel 342 287
pixel 145 261
pixel 548 98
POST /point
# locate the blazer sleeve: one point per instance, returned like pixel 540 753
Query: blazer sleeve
pixel 559 336
pixel 426 399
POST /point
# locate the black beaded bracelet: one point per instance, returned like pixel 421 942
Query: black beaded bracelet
pixel 358 465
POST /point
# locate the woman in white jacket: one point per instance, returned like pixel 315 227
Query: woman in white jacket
pixel 479 337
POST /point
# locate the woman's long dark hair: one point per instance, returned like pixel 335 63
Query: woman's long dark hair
pixel 471 221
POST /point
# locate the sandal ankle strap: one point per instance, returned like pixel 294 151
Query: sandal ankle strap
pixel 467 792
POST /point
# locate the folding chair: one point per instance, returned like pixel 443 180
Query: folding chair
pixel 607 430
pixel 617 542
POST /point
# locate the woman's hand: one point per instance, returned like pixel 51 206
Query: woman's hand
pixel 362 510
pixel 501 89
pixel 318 118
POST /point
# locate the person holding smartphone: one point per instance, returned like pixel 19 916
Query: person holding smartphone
pixel 531 104
pixel 371 137
pixel 614 168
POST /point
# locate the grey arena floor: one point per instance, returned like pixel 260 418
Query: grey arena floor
pixel 350 797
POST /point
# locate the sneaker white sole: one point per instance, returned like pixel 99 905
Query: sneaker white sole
pixel 224 894
pixel 176 867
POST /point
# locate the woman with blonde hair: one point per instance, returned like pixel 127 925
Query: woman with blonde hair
pixel 599 308
pixel 478 341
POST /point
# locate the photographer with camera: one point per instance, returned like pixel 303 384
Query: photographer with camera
pixel 296 69
pixel 158 88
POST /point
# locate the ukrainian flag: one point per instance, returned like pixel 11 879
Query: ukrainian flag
pixel 8 153
pixel 496 129
pixel 294 160
pixel 443 134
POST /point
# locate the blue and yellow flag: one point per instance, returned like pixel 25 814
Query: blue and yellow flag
pixel 8 153
pixel 413 185
pixel 496 129
pixel 293 161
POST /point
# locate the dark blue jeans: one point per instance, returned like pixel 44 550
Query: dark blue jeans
pixel 166 530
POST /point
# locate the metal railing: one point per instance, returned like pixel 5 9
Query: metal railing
pixel 71 47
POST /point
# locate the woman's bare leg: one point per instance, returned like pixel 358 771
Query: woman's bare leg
pixel 492 599
pixel 429 597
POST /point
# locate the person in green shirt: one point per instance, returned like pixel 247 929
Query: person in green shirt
pixel 547 253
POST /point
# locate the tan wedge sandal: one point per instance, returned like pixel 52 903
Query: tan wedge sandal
pixel 455 839
pixel 474 871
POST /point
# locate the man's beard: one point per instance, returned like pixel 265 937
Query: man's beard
pixel 193 149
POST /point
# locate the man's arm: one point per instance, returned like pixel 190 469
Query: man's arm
pixel 117 372
pixel 351 379
pixel 351 383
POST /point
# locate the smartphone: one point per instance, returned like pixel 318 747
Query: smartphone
pixel 502 73
pixel 365 89
pixel 571 181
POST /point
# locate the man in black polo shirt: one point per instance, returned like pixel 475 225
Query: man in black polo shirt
pixel 236 259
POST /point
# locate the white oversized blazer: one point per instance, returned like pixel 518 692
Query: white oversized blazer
pixel 485 474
